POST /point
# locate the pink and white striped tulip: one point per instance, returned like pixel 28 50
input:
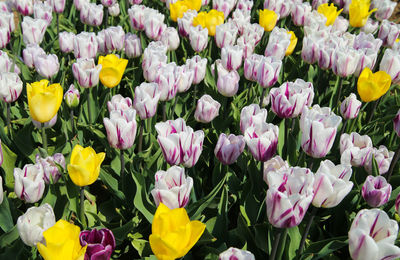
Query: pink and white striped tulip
pixel 252 115
pixel 118 102
pixel 10 86
pixel 233 253
pixel 388 33
pixel 228 81
pixel 80 3
pixel 170 38
pixel 385 8
pixel 383 158
pixel 268 71
pixel 58 5
pixel 262 140
pixel 247 47
pixel 7 21
pixel 350 107
pixel 372 235
pixel 114 10
pixel 376 191
pixel 121 128
pixel 133 46
pixel 114 38
pixel 225 34
pixel 154 25
pixel 231 57
pixel 92 14
pixel 86 72
pixel 43 10
pixel 229 148
pixel 5 37
pixel 33 30
pixel 172 188
pixel 49 165
pixel 198 38
pixel 240 19
pixel 6 63
pixel 371 26
pixel 167 81
pixel 25 7
pixel 29 184
pixel 207 109
pixel 274 164
pixel 198 65
pixel 137 16
pixel 225 6
pixel 47 65
pixel 251 65
pixel 146 99
pixel 355 149
pixel 244 5
pixel 278 42
pixel 281 7
pixel 390 63
pixel 108 3
pixel 185 77
pixel 397 204
pixel 253 31
pixel 345 61
pixel 300 12
pixel 66 41
pixel 185 22
pixel 85 45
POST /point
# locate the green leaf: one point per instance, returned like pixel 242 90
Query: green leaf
pixel 6 220
pixel 321 249
pixel 281 137
pixel 137 242
pixel 294 236
pixel 141 200
pixel 375 168
pixel 9 159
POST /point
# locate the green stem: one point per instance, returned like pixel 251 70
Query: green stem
pixel 141 136
pixel 164 111
pixel 71 118
pixel 393 163
pixel 307 230
pixel 58 24
pixel 122 159
pixel 82 204
pixel 276 244
pixel 371 115
pixel 9 119
pixel 88 105
pixel 340 90
pixel 343 128
pixel 106 18
pixel 262 96
pixel 44 137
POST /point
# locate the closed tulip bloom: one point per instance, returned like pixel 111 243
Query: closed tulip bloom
pixel 262 140
pixel 318 126
pixel 47 124
pixel 278 43
pixel 350 107
pixel 316 3
pixel 300 12
pixel 84 166
pixel 310 50
pixel 198 65
pixel 100 244
pixel 34 222
pixel 340 25
pixel 240 19
pixel 179 143
pixel 92 14
pixel 229 148
pixel 332 183
pixel 376 191
pixel 177 10
pixel 247 47
pixel 198 38
pixel 253 32
pixel 371 26
pixel 359 12
pixel 251 65
pixel 330 12
pixel 244 5
pixel 50 166
pixel 172 188
pixel 280 7
pixel 173 234
pixel 292 45
pixel 121 128
pixel 25 7
pixel 231 57
pixel 185 77
pixel 44 100
pixel 29 184
pixel 390 63
pixel 228 81
pixel 225 34
pixel 136 16
pixel 6 63
pixel 114 38
pixel 66 41
pixel 113 69
pixel 72 97
pixel 146 99
pixel 372 236
pixel 345 61
pixel 10 86
pixel 47 65
pixel 62 242
pixel 234 253
pixel 355 149
pixel 80 3
pixel 7 21
pixel 268 71
pixel 108 3
pixel 85 45
pixel 133 46
pixel 252 115
pixel 290 192
pixel 33 30
pixel 396 123
pixel 383 158
pixel 385 9
pixel 86 72
pixel 290 98
pixel 388 33
pixel 224 6
pixel 154 26
pixel 371 86
pixel 214 18
pixel 207 109
pixel 167 81
pixel 185 22
pixel 43 10
pixel 118 102
pixel 58 5
pixel 114 10
pixel 274 164
pixel 154 57
pixel 268 19
pixel 170 38
pixel 5 37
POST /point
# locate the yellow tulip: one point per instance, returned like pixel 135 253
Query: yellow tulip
pixel 268 19
pixel 292 45
pixel 330 12
pixel 173 234
pixel 209 20
pixel 359 12
pixel 84 166
pixel 200 19
pixel 44 100
pixel 62 242
pixel 177 10
pixel 372 86
pixel 112 70
pixel 193 4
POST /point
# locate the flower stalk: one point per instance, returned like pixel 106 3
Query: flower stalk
pixel 82 207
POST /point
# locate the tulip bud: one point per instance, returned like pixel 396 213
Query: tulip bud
pixel 376 191
pixel 350 107
pixel 207 109
pixel 385 8
pixel 86 72
pixel 108 3
pixel 154 25
pixel 225 34
pixel 114 10
pixel 185 77
pixel 229 148
pixel 388 33
pixel 33 30
pixel 396 123
pixel 133 46
pixel 10 86
pixel 234 253
pixel 390 63
pixel 58 5
pixel 100 243
pixel 29 184
pixel 290 192
pixel 185 22
pixel 121 128
pixel 43 11
pixel 6 63
pixel 262 141
pixel 118 102
pixel 198 65
pixel 50 166
pixel 198 38
pixel 114 38
pixel 25 7
pixel 47 124
pixel 289 99
pixel 170 38
pixel 146 99
pixel 278 42
pixel 92 14
pixel 30 53
pixel 167 82
pixel 136 17
pixel 152 62
pixel 274 164
pixel 300 12
pixel 268 71
pixel 47 65
pixel 251 65
pixel 318 126
pixel 85 45
pixel 66 41
pixel 231 57
pixel 72 97
pixel 172 188
pixel 252 115
pixel 34 222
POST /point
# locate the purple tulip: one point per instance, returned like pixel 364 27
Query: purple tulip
pixel 262 140
pixel 100 243
pixel 252 115
pixel 229 148
pixel 121 128
pixel 268 71
pixel 86 72
pixel 50 168
pixel 376 191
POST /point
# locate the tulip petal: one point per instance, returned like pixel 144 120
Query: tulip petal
pixel 79 175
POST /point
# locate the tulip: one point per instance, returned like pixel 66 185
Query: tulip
pixel 281 7
pixel 7 20
pixel 262 140
pixel 240 19
pixel 101 42
pixel 253 32
pixel 86 72
pixel 198 38
pixel 290 192
pixel 29 183
pixel 198 65
pixel 133 46
pixel 185 22
pixel 167 81
pixel 376 191
pixel 72 97
pixel 247 47
pixel 300 12
pixel 289 99
pixel 310 50
pixel 10 86
pixel 371 26
pixel 332 183
pixel 6 63
pixel 92 14
pixel 112 70
pixel 390 63
pixel 251 65
pixel 34 222
pixel 278 43
pixel 350 107
pixel 274 164
pixel 154 57
pixel 330 12
pixel 225 34
pixel 118 102
pixel 114 10
pixel 154 26
pixel 268 71
pixel 318 126
pixel 5 37
pixel 244 5
pixel 100 243
pixel 207 109
pixel 62 242
pixel 25 7
pixel 372 236
pixel 234 253
pixel 345 61
pixel 177 10
pixel 47 65
pixel 108 3
pixel 179 143
pixel 33 30
pixel 47 124
pixel 50 166
pixel 252 115
pixel 6 7
pixel 229 148
pixel 121 128
pixel 224 6
pixel 385 9
pixel 43 11
pixel 371 86
pixel 135 2
pixel 146 98
pixel 84 166
pixel 114 38
pixel 44 100
pixel 58 5
pixel 66 41
pixel 85 45
pixel 228 81
pixel 340 25
pixel 136 17
pixel 185 77
pixel 170 38
pixel 268 19
pixel 359 12
pixel 388 33
pixel 355 149
pixel 396 123
pixel 172 188
pixel 292 45
pixel 80 3
pixel 209 20
pixel 383 158
pixel 231 57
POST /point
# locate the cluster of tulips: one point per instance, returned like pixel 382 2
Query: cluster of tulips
pixel 350 43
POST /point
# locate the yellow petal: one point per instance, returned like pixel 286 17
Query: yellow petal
pixel 162 250
pixel 79 175
pixel 268 19
pixel 110 77
pixel 292 45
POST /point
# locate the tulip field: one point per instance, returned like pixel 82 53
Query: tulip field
pixel 199 129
